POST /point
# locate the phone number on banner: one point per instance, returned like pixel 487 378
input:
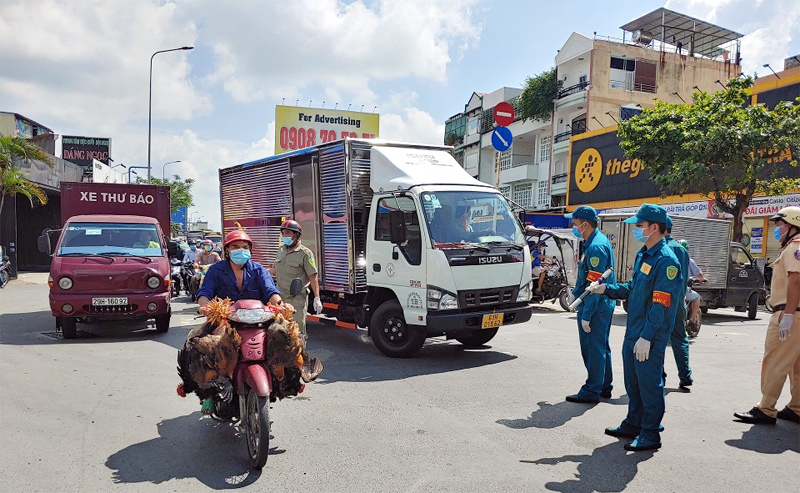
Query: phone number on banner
pixel 293 138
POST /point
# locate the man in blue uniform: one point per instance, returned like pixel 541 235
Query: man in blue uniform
pixel 596 312
pixel 652 296
pixel 678 339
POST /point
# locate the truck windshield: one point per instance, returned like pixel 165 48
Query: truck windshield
pixel 110 239
pixel 460 217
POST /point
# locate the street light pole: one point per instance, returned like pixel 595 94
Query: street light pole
pixel 131 168
pixel 165 165
pixel 150 104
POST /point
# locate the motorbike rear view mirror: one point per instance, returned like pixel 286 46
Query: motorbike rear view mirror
pixel 296 287
pixel 397 227
pixel 43 242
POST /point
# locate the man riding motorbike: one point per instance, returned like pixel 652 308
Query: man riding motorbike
pixel 207 256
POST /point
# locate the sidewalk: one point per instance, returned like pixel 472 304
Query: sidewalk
pixel 30 278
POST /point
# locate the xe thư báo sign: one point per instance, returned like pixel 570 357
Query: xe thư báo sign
pixel 298 128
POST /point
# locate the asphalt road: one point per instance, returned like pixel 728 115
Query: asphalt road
pixel 100 413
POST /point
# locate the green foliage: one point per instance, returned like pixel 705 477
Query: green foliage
pixel 12 178
pixel 177 228
pixel 19 149
pixel 719 146
pixel 180 193
pixel 536 100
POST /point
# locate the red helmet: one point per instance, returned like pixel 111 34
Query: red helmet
pixel 237 235
pixel 292 225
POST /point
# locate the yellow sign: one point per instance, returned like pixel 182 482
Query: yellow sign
pixel 298 128
pixel 588 170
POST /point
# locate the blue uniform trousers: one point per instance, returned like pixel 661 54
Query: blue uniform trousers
pixel 596 352
pixel 680 344
pixel 644 384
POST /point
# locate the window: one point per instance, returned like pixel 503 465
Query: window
pixel 544 199
pixel 472 125
pixel 523 194
pixel 544 149
pixel 740 258
pixel 505 159
pixel 412 248
pixel 506 191
pixel 625 113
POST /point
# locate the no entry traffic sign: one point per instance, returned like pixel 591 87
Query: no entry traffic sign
pixel 503 114
pixel 502 138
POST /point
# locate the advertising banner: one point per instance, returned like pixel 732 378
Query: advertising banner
pixel 82 150
pixel 298 128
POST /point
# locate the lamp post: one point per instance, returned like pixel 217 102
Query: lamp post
pixel 165 165
pixel 131 168
pixel 150 104
pixel 766 65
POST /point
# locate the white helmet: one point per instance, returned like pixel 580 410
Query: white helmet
pixel 790 215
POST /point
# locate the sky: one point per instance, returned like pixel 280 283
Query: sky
pixel 81 67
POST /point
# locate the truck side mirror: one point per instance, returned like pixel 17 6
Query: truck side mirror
pixel 173 249
pixel 397 227
pixel 43 242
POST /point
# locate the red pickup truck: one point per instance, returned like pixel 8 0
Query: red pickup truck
pixel 111 259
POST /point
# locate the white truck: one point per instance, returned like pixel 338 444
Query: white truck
pixel 733 279
pixel 407 243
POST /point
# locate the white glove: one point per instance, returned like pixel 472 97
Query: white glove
pixel 785 326
pixel 642 349
pixel 596 288
pixel 317 305
pixel 585 326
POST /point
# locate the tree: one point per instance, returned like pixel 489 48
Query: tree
pixel 180 190
pixel 719 146
pixel 536 100
pixel 12 178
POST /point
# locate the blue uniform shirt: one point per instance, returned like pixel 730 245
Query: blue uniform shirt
pixel 597 258
pixel 683 260
pixel 221 281
pixel 653 293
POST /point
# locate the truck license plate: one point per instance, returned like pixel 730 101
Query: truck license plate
pixel 492 320
pixel 109 301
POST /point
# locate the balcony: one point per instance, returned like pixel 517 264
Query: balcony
pixel 520 170
pixel 572 96
pixel 561 142
pixel 559 184
pixel 569 91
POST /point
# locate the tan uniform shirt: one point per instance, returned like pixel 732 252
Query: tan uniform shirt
pixel 788 261
pixel 207 258
pixel 295 263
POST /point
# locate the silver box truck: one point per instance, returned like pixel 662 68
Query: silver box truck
pixel 407 243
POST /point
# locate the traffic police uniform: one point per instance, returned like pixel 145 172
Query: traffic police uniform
pixel 291 263
pixel 598 310
pixel 678 339
pixel 652 296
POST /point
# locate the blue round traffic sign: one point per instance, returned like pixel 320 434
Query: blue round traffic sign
pixel 502 138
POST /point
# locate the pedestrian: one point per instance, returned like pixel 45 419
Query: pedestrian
pixel 596 312
pixel 295 261
pixel 782 345
pixel 678 339
pixel 652 296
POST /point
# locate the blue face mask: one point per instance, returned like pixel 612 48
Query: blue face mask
pixel 777 233
pixel 240 256
pixel 192 248
pixel 576 232
pixel 638 233
pixel 287 240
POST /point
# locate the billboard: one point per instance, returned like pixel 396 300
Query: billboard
pixel 180 216
pixel 82 150
pixel 298 128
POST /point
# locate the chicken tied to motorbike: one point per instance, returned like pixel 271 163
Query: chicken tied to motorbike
pixel 208 361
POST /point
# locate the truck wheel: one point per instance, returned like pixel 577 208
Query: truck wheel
pixel 477 338
pixel 69 327
pixel 162 323
pixel 703 310
pixel 390 333
pixel 752 306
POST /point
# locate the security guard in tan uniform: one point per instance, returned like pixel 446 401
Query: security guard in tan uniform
pixel 782 347
pixel 296 261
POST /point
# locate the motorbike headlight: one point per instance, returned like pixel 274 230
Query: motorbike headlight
pixel 250 316
pixel 153 282
pixel 65 283
pixel 524 293
pixel 439 299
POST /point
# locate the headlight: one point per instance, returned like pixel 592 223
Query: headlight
pixel 65 283
pixel 524 293
pixel 153 282
pixel 439 299
pixel 250 316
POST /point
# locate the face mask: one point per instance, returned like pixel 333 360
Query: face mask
pixel 207 248
pixel 287 240
pixel 777 233
pixel 638 233
pixel 577 232
pixel 192 248
pixel 240 256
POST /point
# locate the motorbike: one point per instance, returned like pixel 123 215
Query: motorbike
pixel 175 275
pixel 254 384
pixel 560 269
pixel 196 280
pixel 5 269
pixel 187 272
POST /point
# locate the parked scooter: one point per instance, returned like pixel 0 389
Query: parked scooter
pixel 5 268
